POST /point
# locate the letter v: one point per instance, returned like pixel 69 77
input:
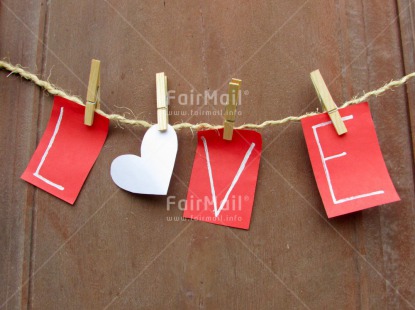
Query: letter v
pixel 235 179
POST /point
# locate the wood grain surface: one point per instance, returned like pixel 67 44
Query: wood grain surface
pixel 115 250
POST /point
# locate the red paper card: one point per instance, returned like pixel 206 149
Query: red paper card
pixel 67 151
pixel 349 169
pixel 224 176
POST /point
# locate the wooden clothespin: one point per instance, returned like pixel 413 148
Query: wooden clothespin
pixel 327 102
pixel 162 101
pixel 230 110
pixel 92 95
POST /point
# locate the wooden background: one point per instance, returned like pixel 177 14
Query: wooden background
pixel 116 250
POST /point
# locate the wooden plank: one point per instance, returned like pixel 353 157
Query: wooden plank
pixel 406 10
pixel 369 66
pixel 21 24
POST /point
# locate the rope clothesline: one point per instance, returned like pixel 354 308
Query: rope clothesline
pixel 50 88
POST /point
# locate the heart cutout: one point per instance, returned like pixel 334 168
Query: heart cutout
pixel 150 173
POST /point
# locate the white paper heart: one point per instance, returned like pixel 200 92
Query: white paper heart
pixel 150 173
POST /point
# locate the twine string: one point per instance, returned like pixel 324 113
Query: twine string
pixel 50 88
